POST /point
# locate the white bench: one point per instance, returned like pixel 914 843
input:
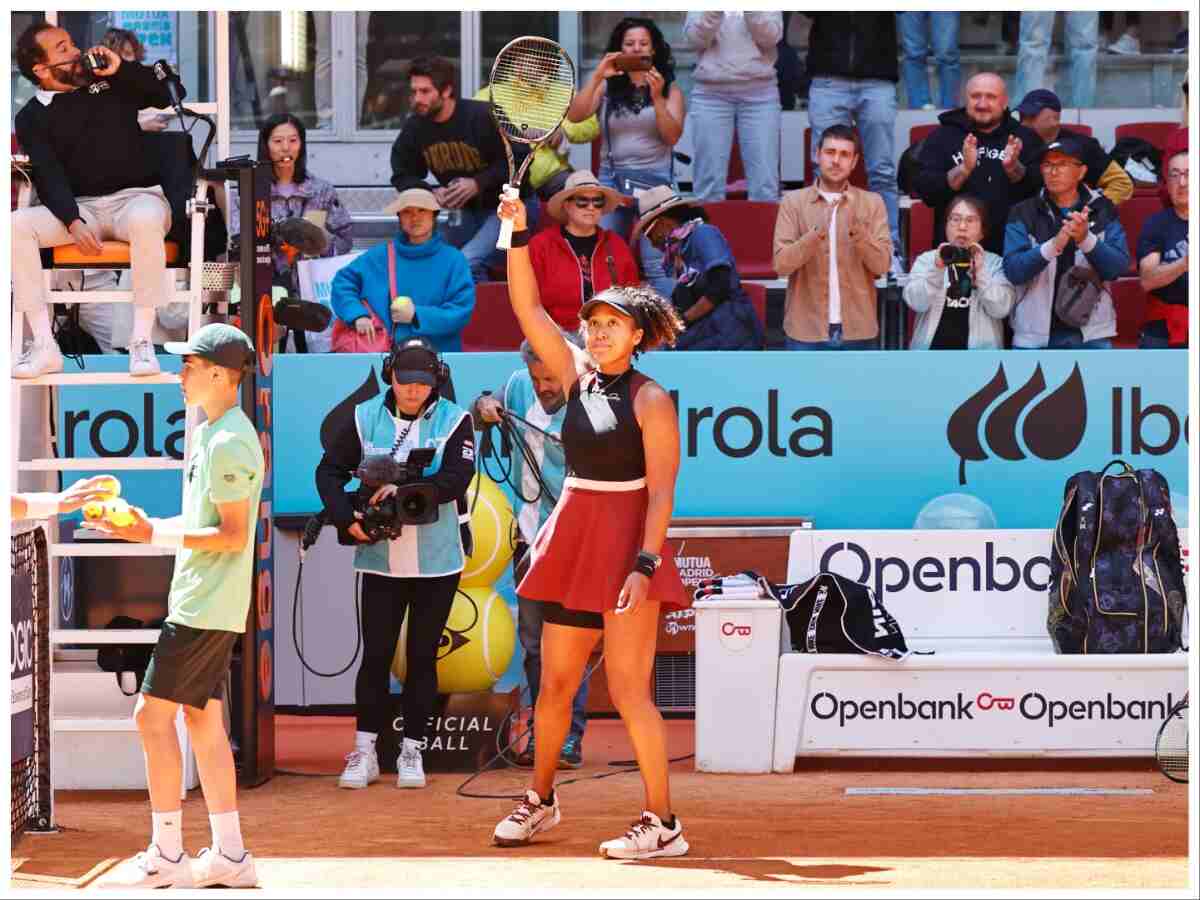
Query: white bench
pixel 994 686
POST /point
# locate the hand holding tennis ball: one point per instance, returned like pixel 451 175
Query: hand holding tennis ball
pixel 119 513
pixel 403 310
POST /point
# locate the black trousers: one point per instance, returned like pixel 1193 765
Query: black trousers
pixel 385 602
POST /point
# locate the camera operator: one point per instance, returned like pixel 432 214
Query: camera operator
pixel 416 569
pixel 96 180
pixel 959 291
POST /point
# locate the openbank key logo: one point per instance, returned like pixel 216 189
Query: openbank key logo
pixel 1051 430
pixel 736 630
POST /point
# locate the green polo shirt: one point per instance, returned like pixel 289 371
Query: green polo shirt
pixel 212 590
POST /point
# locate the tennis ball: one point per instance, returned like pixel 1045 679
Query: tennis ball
pixel 476 646
pixel 494 531
pixel 93 511
pixel 117 512
pixel 107 484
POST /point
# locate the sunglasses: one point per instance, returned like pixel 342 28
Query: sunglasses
pixel 585 202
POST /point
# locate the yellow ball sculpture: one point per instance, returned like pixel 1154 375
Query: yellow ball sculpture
pixel 477 643
pixel 492 526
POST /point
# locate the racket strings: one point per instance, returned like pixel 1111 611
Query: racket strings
pixel 1172 749
pixel 532 85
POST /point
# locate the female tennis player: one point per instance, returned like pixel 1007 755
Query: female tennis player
pixel 596 564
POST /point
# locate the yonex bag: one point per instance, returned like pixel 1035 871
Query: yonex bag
pixel 1116 577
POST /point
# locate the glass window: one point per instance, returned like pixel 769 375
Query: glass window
pixel 596 27
pixel 22 88
pixel 280 62
pixel 498 28
pixel 392 40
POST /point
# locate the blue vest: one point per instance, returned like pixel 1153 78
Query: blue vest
pixel 520 399
pixel 421 551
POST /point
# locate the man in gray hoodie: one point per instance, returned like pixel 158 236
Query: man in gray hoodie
pixel 736 87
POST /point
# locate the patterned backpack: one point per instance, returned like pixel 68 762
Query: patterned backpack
pixel 1116 581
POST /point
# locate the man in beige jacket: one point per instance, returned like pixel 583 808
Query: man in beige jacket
pixel 832 242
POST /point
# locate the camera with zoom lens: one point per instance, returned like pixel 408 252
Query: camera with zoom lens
pixel 958 261
pixel 415 503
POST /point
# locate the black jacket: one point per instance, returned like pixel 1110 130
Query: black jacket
pixel 87 142
pixel 853 45
pixel 942 151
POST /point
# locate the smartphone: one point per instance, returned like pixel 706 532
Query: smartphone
pixel 633 62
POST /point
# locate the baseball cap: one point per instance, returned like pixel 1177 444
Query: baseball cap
pixel 413 362
pixel 1068 144
pixel 421 198
pixel 1037 100
pixel 221 344
pixel 607 300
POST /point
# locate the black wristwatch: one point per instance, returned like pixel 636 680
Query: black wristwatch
pixel 647 563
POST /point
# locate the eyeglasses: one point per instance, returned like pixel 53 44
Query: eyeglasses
pixel 1177 175
pixel 964 220
pixel 1054 168
pixel 585 202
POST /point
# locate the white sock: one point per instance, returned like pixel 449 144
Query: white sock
pixel 39 323
pixel 143 323
pixel 364 741
pixel 168 833
pixel 227 834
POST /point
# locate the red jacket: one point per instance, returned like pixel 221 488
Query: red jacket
pixel 560 277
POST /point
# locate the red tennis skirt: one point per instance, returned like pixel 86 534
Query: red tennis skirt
pixel 587 548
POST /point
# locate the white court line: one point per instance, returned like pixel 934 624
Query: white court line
pixel 995 792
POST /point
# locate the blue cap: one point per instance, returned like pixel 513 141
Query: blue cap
pixel 1036 101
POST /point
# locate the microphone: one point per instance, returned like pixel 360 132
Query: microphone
pixel 164 72
pixel 302 315
pixel 303 235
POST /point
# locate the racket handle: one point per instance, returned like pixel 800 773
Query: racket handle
pixel 504 241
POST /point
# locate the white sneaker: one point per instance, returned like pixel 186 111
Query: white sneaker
pixel 530 817
pixel 361 769
pixel 41 357
pixel 646 839
pixel 212 868
pixel 142 361
pixel 149 869
pixel 1126 45
pixel 410 769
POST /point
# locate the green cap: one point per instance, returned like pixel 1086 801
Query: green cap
pixel 219 343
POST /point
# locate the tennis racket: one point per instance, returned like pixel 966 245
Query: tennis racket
pixel 531 89
pixel 1171 745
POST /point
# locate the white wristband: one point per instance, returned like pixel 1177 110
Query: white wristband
pixel 41 506
pixel 166 535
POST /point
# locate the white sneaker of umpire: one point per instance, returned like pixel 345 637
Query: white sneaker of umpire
pixel 212 867
pixel 40 357
pixel 410 770
pixel 647 838
pixel 142 361
pixel 149 869
pixel 530 817
pixel 361 769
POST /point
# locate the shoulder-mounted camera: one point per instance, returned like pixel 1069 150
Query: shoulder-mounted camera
pixel 415 503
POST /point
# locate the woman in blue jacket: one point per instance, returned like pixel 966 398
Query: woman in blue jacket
pixel 430 294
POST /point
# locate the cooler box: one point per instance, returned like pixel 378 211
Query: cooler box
pixel 737 673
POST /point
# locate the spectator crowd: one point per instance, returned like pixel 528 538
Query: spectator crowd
pixel 1028 246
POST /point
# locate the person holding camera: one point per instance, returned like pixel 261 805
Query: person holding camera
pixel 95 178
pixel 408 569
pixel 1061 248
pixel 959 291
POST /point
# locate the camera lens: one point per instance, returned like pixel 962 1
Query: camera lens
pixel 414 505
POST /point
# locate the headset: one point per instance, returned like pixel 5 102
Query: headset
pixel 441 371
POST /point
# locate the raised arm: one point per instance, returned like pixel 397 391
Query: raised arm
pixel 587 98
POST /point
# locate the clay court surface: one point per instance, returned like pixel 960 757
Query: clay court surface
pixel 754 833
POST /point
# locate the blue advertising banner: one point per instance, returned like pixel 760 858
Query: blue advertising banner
pixel 853 440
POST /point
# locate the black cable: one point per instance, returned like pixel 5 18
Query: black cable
pixel 357 624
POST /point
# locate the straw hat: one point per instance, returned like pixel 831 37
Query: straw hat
pixel 421 198
pixel 653 203
pixel 577 182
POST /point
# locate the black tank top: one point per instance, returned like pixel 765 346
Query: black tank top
pixel 601 435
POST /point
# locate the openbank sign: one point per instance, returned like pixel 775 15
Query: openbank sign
pixel 1033 706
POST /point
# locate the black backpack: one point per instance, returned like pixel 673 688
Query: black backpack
pixel 122 658
pixel 1143 151
pixel 1116 576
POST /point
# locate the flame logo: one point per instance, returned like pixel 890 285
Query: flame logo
pixel 1052 429
pixel 341 417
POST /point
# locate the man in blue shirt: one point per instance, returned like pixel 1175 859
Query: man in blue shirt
pixel 1162 252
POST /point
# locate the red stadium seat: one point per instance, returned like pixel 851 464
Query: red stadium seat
pixel 920 230
pixel 749 227
pixel 1130 301
pixel 758 299
pixel 920 132
pixel 1133 214
pixel 493 325
pixel 858 177
pixel 1155 133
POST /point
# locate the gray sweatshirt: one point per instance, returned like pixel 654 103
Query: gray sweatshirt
pixel 736 50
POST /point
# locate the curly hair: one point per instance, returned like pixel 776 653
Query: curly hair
pixel 652 312
pixel 621 92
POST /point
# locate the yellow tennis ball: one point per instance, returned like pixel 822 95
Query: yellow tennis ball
pixel 493 530
pixel 476 646
pixel 108 484
pixel 93 511
pixel 118 512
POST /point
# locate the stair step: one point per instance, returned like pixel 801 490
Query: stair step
pixel 85 378
pixel 104 636
pixel 99 463
pixel 110 549
pixel 68 723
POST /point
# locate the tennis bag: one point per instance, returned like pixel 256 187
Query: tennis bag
pixel 1116 577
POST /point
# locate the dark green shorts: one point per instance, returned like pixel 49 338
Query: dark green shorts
pixel 189 665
